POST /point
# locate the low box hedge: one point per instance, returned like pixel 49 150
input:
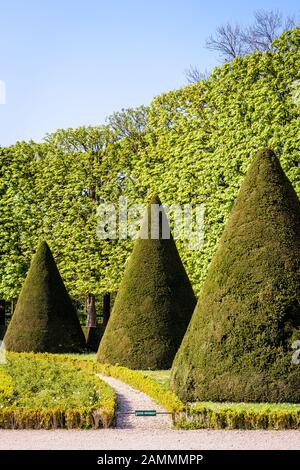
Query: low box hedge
pixel 209 415
pixel 100 413
pixel 50 391
pixel 239 416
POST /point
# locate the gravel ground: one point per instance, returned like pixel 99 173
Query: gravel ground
pixel 149 433
pixel 131 439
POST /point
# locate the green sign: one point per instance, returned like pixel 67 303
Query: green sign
pixel 145 412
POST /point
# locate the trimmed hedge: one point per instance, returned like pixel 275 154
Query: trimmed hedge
pixel 166 398
pixel 238 346
pixel 13 415
pixel 45 319
pixel 239 416
pixel 154 304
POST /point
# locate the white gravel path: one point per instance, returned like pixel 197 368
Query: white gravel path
pixel 135 439
pixel 129 400
pixel 149 433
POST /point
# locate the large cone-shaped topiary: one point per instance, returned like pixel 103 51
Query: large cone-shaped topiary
pixel 44 319
pixel 154 304
pixel 238 346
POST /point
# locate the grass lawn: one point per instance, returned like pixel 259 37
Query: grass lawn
pixel 160 376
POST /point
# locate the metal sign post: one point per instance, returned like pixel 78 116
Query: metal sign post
pixel 145 413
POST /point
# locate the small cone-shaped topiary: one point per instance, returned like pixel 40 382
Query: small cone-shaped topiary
pixel 154 304
pixel 44 319
pixel 238 346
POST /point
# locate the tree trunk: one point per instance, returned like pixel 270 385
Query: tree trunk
pixel 90 310
pixel 106 309
pixel 2 312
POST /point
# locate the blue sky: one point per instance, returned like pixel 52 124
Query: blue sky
pixel 68 63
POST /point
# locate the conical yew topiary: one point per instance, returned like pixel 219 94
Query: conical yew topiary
pixel 44 319
pixel 154 304
pixel 238 346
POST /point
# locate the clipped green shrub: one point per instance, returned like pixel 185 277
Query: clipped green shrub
pixel 153 306
pixel 52 391
pixel 238 344
pixel 44 319
pixel 239 416
pixel 141 381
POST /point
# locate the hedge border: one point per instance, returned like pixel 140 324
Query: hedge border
pixel 246 416
pixel 250 416
pixel 191 416
pixel 97 416
pixel 166 398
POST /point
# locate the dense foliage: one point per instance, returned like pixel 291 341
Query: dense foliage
pixel 6 384
pixel 191 145
pixel 154 304
pixel 44 319
pixel 238 346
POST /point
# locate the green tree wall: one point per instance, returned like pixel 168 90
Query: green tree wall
pixel 192 145
pixel 201 138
